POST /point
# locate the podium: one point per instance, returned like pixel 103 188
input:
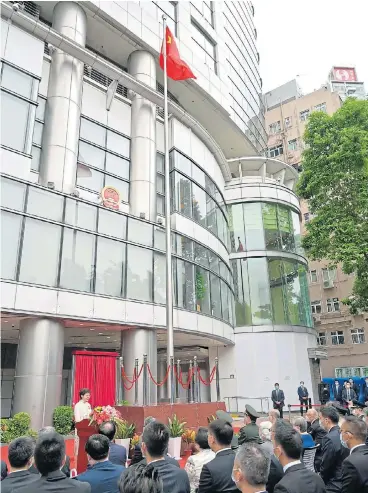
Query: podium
pixel 84 431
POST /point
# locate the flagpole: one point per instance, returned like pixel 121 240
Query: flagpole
pixel 169 293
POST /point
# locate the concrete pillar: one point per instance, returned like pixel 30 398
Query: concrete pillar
pixel 39 370
pixel 142 66
pixel 64 99
pixel 134 344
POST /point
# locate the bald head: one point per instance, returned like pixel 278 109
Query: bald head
pixel 46 429
pixel 312 415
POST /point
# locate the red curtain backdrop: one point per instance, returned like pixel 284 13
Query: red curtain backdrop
pixel 96 371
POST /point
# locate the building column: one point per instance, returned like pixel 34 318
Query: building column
pixel 39 370
pixel 64 99
pixel 142 66
pixel 134 344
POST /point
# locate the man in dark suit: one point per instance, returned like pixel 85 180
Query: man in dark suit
pixel 337 391
pixel 251 468
pixel 216 474
pixel 355 387
pixel 355 467
pixel 20 455
pixel 317 433
pixel 348 395
pixel 101 474
pixel 278 399
pixel 155 440
pixel 66 466
pixel 117 454
pixel 4 470
pixel 303 397
pixel 333 452
pixel 288 447
pixel 49 456
pixel 365 391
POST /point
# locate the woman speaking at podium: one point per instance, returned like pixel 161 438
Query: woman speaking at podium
pixel 82 410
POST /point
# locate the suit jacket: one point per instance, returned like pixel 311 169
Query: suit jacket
pixel 174 479
pixel 355 471
pixel 249 433
pixel 298 479
pixel 65 469
pixel 337 391
pixel 16 480
pixel 275 475
pixel 216 475
pixel 104 474
pixel 344 396
pixel 55 482
pixel 279 398
pixel 117 454
pixel 302 392
pixel 318 434
pixel 365 393
pixel 333 454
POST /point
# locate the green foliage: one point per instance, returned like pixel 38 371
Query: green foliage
pixel 63 419
pixel 200 286
pixel 15 427
pixel 124 429
pixel 123 403
pixel 334 180
pixel 176 427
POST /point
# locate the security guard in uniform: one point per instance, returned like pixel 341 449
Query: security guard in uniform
pixel 249 432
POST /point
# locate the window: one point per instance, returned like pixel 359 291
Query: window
pixel 304 115
pixel 306 216
pixel 357 336
pixel 205 9
pixel 110 267
pixel 316 306
pixel 333 305
pixel 77 264
pixel 140 232
pixel 168 8
pixel 275 128
pixel 159 276
pixel 207 51
pixel 276 151
pixel 18 99
pixel 139 275
pixel 37 134
pixel 288 122
pixel 160 183
pixel 293 145
pixel 313 276
pixel 322 339
pixel 337 337
pixel 11 226
pixel 329 275
pixel 321 107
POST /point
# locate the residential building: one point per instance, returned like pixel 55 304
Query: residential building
pixel 84 270
pixel 344 336
pixel 344 81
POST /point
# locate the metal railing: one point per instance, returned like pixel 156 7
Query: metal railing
pixel 233 403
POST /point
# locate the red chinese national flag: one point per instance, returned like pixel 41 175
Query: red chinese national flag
pixel 177 69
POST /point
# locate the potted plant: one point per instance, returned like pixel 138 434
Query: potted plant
pixel 187 442
pixel 63 419
pixel 176 429
pixel 133 442
pixel 124 433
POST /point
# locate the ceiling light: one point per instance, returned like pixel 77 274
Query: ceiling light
pixel 108 337
pixel 81 324
pixel 91 329
pixel 100 333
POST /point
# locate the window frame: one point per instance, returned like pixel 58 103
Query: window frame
pixel 207 39
pixel 304 115
pixel 332 305
pixel 322 336
pixel 311 276
pixel 275 127
pixel 337 336
pixel 276 150
pixel 357 335
pixel 316 304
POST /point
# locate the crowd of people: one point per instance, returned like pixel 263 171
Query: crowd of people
pixel 324 453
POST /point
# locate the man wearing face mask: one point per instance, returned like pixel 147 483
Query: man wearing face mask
pixel 303 397
pixel 348 395
pixel 251 468
pixel 278 399
pixel 288 448
pixel 333 452
pixel 355 467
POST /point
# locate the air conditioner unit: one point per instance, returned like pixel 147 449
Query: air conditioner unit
pixel 328 284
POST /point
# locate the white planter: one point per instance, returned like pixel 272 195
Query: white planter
pixel 174 447
pixel 125 442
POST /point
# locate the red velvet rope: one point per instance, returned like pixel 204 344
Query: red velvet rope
pixel 212 376
pixel 180 377
pixel 135 376
pixel 153 380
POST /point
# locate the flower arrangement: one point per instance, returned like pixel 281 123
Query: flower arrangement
pixel 135 440
pixel 188 436
pixel 100 414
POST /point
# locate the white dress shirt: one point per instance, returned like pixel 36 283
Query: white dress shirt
pixel 356 446
pixel 294 463
pixel 82 410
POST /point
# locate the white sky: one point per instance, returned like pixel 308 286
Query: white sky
pixel 308 37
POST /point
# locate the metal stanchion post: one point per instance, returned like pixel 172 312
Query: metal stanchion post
pixel 177 379
pixel 289 406
pixel 172 381
pixel 145 382
pixel 218 397
pixel 195 379
pixel 191 395
pixel 136 363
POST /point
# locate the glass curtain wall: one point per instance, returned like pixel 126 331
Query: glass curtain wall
pixel 271 292
pixel 264 226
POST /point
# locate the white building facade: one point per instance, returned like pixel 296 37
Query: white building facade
pixel 77 274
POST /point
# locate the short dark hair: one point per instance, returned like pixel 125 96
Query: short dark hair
pixel 97 447
pixel 357 427
pixel 201 437
pixel 336 380
pixel 330 413
pixel 156 438
pixel 289 439
pixel 222 431
pixel 83 392
pixel 20 451
pixel 277 384
pixel 143 478
pixel 49 452
pixel 108 429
